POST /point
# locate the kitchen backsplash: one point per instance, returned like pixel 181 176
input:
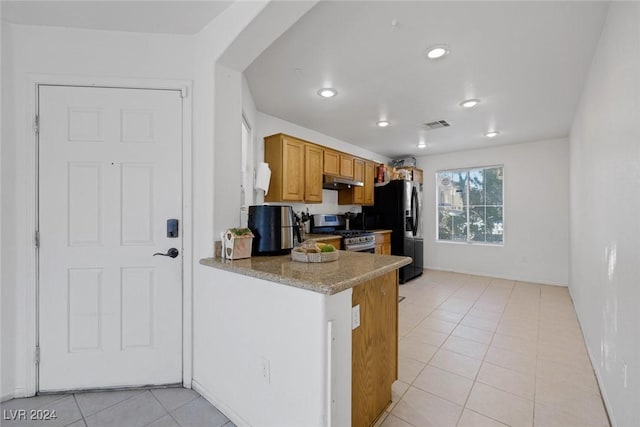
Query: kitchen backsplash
pixel 329 205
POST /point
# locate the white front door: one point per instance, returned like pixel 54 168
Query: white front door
pixel 110 313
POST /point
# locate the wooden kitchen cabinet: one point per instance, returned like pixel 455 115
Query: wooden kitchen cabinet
pixel 363 171
pixel 374 348
pixel 331 164
pixel 338 164
pixel 297 167
pixel 286 158
pixel 369 183
pixel 354 195
pixel 383 242
pixel 346 166
pixel 334 242
pixel 313 166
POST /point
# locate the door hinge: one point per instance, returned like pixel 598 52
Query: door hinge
pixel 37 239
pixel 37 355
pixel 36 124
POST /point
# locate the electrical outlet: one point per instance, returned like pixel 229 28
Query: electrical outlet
pixel 355 317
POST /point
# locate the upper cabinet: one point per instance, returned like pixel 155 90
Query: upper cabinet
pixel 358 175
pixel 297 167
pixel 313 164
pixel 338 164
pixel 354 195
pixel 331 162
pixel 285 155
pixel 346 166
pixel 363 171
pixel 369 183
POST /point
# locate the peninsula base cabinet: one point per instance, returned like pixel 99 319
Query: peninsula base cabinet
pixel 374 348
pixel 304 365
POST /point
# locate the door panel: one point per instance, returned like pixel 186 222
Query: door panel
pixel 418 260
pixel 110 313
pixel 407 272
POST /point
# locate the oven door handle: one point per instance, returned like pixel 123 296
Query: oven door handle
pixel 360 247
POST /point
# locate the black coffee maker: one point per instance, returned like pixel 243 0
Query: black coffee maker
pixel 273 229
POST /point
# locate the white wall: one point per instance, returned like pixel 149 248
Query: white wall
pixel 536 214
pixel 228 150
pixel 7 310
pixel 29 50
pixel 61 52
pixel 605 201
pixel 256 325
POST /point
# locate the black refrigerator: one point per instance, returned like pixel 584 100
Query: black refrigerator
pixel 398 207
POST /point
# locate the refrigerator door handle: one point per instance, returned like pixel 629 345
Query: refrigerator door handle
pixel 414 210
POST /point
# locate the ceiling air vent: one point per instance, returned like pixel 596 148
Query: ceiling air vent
pixel 437 124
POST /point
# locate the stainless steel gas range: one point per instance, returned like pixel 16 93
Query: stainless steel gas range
pixel 352 240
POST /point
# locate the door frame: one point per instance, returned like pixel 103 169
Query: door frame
pixel 34 81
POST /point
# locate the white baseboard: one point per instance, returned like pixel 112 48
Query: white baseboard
pixel 15 394
pixel 7 396
pixel 222 407
pixel 475 273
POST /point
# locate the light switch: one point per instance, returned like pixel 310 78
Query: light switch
pixel 355 317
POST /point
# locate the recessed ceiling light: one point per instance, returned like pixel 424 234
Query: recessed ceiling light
pixel 327 92
pixel 422 145
pixel 437 52
pixel 491 134
pixel 383 123
pixel 469 103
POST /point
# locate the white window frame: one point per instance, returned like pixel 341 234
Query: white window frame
pixel 467 209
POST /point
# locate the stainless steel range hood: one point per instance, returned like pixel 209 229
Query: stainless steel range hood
pixel 337 183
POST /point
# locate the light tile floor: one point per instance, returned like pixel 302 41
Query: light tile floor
pixel 478 351
pixel 473 351
pixel 158 407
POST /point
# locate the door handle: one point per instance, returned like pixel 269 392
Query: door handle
pixel 173 252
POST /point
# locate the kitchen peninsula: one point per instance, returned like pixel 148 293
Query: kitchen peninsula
pixel 279 348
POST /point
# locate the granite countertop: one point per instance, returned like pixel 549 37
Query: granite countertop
pixel 351 269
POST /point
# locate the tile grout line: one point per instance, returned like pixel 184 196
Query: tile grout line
pixel 535 375
pixel 440 347
pixel 427 363
pixel 475 380
pixel 167 411
pixel 111 406
pixel 75 399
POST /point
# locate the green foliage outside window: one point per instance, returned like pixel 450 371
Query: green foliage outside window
pixel 470 205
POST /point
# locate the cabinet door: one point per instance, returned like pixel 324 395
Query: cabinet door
pixel 312 173
pixel 374 348
pixel 369 179
pixel 385 297
pixel 346 166
pixel 334 242
pixel 293 173
pixel 358 175
pixel 417 175
pixel 331 163
pixel 386 249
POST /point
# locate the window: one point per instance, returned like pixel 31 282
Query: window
pixel 470 205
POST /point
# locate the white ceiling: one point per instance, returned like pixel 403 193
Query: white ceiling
pixel 172 17
pixel 526 61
